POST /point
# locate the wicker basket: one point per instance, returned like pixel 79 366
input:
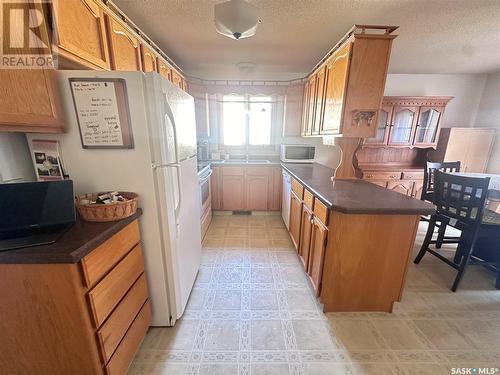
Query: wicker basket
pixel 107 212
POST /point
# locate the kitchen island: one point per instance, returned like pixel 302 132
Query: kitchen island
pixel 354 238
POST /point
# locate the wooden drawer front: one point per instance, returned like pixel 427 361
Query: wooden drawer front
pixel 101 260
pixel 122 317
pixel 106 295
pixel 396 175
pixel 125 352
pixel 232 171
pixel 308 199
pixel 413 175
pixel 321 211
pixel 297 188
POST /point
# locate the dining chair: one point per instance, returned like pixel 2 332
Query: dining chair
pixel 428 193
pixel 459 203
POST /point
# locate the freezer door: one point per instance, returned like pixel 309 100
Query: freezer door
pixel 180 110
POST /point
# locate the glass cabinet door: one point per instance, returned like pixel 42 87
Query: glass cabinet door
pixel 402 125
pixel 427 125
pixel 384 120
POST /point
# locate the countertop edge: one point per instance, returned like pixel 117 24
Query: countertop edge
pixel 356 211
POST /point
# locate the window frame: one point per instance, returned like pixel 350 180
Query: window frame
pixel 247 146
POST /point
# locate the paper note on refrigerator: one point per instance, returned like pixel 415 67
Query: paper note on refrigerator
pixel 97 110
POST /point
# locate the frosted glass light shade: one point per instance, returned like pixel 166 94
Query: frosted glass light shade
pixel 236 19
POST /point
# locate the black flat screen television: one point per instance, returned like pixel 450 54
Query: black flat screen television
pixel 35 213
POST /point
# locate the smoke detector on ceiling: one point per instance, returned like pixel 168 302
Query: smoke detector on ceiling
pixel 236 19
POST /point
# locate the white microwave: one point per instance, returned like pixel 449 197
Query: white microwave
pixel 297 153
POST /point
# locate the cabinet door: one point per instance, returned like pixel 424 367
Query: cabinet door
pixel 177 79
pixel 257 191
pixel 317 253
pixel 427 127
pixel 124 46
pixel 311 113
pixel 293 111
pixel 403 125
pixel 30 101
pixel 276 188
pixel 149 62
pixel 403 187
pixel 201 114
pixel 80 32
pixel 418 186
pixel 320 99
pixel 233 192
pixel 305 236
pixel 383 126
pixel 216 188
pixel 295 219
pixel 305 109
pixel 337 68
pixel 164 69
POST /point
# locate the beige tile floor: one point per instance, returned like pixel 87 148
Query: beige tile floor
pixel 252 311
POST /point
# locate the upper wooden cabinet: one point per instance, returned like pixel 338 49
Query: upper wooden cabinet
pixel 178 80
pixel 124 47
pixel 149 59
pixel 345 91
pixel 409 121
pixel 79 31
pixel 164 69
pixel 30 101
pixel 292 125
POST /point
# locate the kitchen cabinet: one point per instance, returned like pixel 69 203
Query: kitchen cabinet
pixel 93 312
pixel 246 188
pixel 80 34
pixel 295 219
pixel 409 121
pixel 346 89
pixel 403 187
pixel 319 235
pixel 305 236
pixel 164 69
pixel 292 124
pixel 404 181
pixel 471 146
pixel 178 80
pixel 149 60
pixel 336 77
pixel 124 47
pixel 30 101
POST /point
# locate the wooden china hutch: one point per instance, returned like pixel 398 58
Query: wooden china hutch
pixel 407 128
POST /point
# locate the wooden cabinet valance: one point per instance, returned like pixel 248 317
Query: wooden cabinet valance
pixel 409 121
pixel 342 96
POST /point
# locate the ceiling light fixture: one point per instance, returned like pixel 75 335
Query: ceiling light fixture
pixel 236 19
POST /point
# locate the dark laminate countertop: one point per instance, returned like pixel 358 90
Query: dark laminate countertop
pixel 355 196
pixel 78 241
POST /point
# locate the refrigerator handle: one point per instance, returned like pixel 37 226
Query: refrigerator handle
pixel 169 115
pixel 177 209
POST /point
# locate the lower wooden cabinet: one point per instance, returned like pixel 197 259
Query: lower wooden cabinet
pixel 308 231
pixel 246 188
pixel 407 182
pixel 76 318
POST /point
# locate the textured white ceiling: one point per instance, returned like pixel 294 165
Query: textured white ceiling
pixel 435 36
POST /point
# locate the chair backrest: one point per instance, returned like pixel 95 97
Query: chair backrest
pixel 430 167
pixel 461 198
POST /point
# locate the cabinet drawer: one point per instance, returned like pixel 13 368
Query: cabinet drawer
pixel 257 171
pixel 413 175
pixel 106 295
pixel 297 188
pixel 395 175
pixel 321 211
pixel 101 260
pixel 232 171
pixel 122 317
pixel 125 352
pixel 308 199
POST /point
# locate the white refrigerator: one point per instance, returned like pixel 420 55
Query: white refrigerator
pixel 161 168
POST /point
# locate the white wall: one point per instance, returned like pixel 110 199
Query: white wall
pixel 488 116
pixel 15 161
pixel 465 88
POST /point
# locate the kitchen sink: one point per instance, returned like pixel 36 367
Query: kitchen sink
pixel 244 161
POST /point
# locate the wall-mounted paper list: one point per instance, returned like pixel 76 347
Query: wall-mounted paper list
pixel 97 111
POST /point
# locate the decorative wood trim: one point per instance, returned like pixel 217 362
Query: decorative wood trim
pixel 416 100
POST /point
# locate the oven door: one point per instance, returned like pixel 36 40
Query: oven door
pixel 205 193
